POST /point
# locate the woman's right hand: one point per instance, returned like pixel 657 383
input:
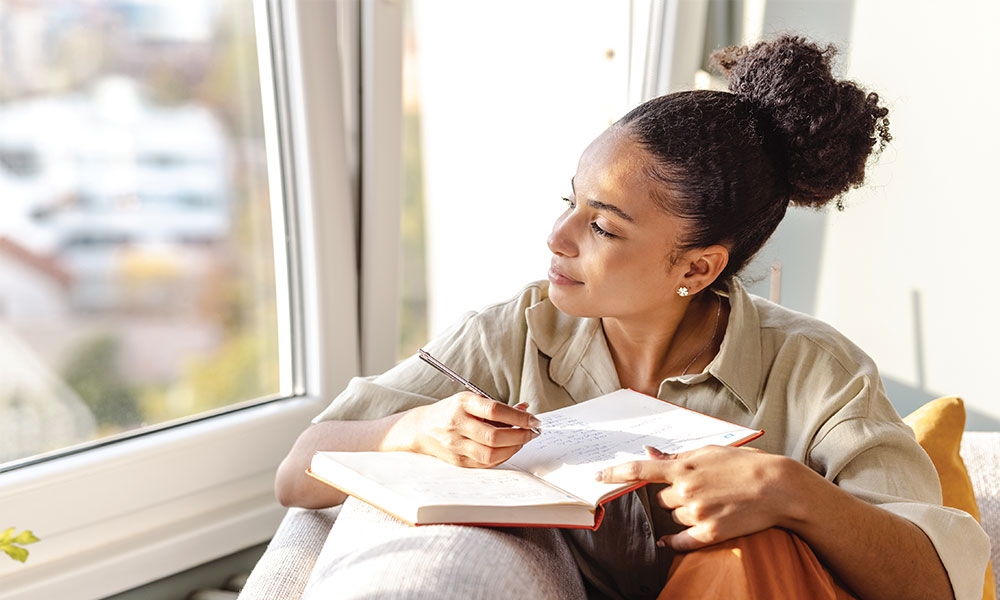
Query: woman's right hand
pixel 453 429
pixel 458 430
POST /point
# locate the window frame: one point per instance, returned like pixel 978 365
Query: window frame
pixel 126 513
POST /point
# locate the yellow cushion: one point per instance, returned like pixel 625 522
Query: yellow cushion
pixel 938 426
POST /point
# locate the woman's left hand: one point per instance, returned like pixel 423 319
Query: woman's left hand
pixel 717 492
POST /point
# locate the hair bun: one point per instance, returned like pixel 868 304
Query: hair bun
pixel 821 130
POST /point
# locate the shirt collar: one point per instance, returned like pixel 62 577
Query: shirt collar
pixel 739 365
pixel 581 361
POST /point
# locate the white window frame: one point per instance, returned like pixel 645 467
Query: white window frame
pixel 127 513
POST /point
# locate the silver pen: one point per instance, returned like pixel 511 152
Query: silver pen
pixel 440 366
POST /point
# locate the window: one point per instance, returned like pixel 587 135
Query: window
pixel 273 269
pixel 137 271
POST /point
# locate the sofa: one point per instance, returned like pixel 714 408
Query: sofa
pixel 283 570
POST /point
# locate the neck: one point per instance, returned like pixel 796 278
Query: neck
pixel 648 350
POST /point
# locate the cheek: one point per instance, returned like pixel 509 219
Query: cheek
pixel 642 274
pixel 640 268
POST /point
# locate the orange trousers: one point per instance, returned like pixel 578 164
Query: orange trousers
pixel 771 564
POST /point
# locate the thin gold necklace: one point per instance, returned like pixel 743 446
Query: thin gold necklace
pixel 715 331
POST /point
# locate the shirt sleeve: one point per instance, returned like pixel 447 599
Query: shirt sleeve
pixel 878 460
pixel 485 347
pixel 960 541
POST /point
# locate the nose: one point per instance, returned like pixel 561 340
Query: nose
pixel 560 240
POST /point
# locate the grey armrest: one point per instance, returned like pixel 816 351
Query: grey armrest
pixel 981 454
pixel 283 571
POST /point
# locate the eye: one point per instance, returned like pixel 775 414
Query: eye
pixel 601 232
pixel 597 229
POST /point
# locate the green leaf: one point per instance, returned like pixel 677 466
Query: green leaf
pixel 18 554
pixel 7 535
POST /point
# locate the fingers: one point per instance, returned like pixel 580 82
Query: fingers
pixel 488 434
pixel 692 538
pixel 499 414
pixel 639 470
pixel 636 470
pixel 656 453
pixel 467 453
pixel 477 444
pixel 479 432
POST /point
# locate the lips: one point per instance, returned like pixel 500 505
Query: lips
pixel 557 277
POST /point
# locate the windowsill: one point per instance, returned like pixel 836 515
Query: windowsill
pixel 122 515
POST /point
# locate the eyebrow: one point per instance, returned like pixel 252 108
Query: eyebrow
pixel 611 208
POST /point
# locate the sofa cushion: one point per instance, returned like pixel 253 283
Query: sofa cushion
pixel 938 426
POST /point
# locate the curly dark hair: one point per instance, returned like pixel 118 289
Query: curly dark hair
pixel 788 132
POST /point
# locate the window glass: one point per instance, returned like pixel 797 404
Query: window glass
pixel 136 260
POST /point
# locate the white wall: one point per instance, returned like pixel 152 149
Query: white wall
pixel 512 93
pixel 906 271
pixel 918 291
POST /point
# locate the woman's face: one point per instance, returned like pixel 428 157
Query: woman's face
pixel 611 247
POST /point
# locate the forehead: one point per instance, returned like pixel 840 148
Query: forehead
pixel 612 164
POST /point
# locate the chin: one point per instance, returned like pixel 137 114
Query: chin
pixel 575 307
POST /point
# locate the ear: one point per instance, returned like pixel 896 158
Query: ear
pixel 706 266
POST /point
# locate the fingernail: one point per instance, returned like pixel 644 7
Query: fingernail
pixel 535 423
pixel 661 544
pixel 650 450
pixel 521 406
pixel 599 476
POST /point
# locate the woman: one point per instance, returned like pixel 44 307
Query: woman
pixel 667 206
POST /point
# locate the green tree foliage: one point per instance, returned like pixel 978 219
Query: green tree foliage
pixel 244 368
pixel 94 374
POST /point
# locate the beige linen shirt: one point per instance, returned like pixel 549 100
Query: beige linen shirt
pixel 817 397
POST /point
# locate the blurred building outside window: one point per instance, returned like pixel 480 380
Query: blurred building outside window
pixel 137 279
